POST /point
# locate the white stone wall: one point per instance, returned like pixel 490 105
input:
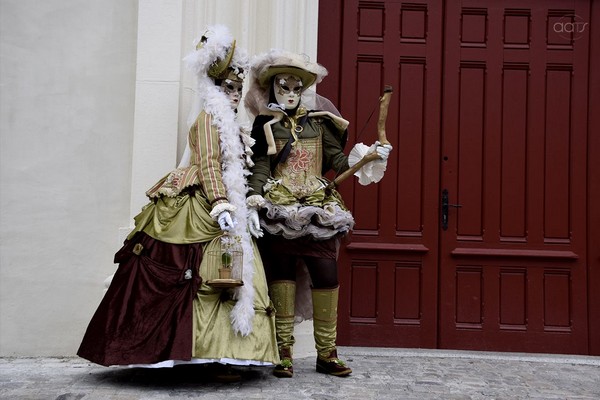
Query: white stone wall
pixel 67 74
pixel 93 103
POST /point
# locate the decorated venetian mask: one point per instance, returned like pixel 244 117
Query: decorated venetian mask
pixel 233 91
pixel 288 90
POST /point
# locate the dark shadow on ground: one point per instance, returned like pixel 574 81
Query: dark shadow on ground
pixel 179 377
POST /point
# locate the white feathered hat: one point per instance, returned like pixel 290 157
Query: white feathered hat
pixel 277 61
pixel 216 55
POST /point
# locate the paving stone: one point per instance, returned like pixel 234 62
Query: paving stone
pixel 378 374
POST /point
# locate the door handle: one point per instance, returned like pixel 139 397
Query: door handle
pixel 445 206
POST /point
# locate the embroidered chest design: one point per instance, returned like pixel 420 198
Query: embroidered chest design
pixel 300 160
pixel 301 172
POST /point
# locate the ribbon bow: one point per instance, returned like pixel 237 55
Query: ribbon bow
pixel 384 102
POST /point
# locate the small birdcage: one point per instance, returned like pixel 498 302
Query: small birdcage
pixel 228 261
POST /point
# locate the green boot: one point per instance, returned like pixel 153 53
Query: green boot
pixel 283 296
pixel 325 303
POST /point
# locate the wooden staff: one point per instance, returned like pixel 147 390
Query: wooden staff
pixel 384 102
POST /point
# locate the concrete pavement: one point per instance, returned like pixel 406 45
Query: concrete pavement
pixel 379 373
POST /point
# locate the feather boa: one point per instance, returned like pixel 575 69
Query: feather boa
pixel 234 173
pixel 235 154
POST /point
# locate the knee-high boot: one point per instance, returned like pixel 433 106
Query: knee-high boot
pixel 325 302
pixel 283 296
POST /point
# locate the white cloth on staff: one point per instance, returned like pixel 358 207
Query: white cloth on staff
pixel 371 172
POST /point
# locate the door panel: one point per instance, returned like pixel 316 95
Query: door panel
pixel 389 265
pixel 512 261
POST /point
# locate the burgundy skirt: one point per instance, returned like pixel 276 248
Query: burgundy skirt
pixel 146 315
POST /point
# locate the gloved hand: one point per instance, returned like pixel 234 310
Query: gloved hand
pixel 225 221
pixel 254 223
pixel 383 150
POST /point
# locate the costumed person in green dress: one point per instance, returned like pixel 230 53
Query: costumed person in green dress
pixel 302 219
pixel 161 309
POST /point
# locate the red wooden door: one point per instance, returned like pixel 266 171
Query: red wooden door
pixel 513 256
pixel 490 105
pixel 389 269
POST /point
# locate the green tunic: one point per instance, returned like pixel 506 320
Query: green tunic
pixel 298 202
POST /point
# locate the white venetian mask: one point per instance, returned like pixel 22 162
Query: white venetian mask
pixel 233 91
pixel 288 90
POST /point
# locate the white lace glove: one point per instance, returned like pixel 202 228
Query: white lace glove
pixel 225 221
pixel 254 223
pixel 383 150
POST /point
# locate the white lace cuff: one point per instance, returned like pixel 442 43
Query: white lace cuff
pixel 255 201
pixel 219 208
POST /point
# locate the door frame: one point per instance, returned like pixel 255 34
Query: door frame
pixel 593 183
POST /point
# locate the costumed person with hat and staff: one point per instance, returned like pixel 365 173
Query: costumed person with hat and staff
pixel 299 212
pixel 160 309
